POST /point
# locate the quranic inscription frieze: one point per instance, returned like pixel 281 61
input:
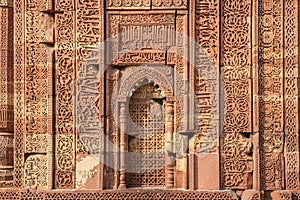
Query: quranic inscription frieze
pixel 89 97
pixel 206 76
pixel 132 36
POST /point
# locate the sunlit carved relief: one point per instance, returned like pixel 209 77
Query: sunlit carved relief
pixel 247 51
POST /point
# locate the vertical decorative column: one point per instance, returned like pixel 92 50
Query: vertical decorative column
pixel 205 79
pixel 236 144
pixel 19 90
pixel 169 130
pixel 123 144
pixel 38 94
pixel 291 94
pixel 6 66
pixel 65 56
pixel 255 96
pixel 89 88
pixel 271 99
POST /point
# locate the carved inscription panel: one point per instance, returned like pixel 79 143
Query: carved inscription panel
pixel 140 38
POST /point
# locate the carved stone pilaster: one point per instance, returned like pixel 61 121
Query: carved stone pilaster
pixel 123 145
pixel 169 144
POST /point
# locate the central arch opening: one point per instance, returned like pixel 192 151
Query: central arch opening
pixel 146 139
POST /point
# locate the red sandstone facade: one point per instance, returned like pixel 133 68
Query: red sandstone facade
pixel 149 99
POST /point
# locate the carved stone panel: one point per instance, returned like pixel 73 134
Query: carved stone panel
pixel 135 38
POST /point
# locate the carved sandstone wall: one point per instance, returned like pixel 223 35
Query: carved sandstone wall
pixel 181 99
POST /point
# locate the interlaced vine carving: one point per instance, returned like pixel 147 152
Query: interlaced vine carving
pixel 65 77
pixel 236 67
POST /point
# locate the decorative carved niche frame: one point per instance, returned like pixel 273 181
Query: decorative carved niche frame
pixel 158 59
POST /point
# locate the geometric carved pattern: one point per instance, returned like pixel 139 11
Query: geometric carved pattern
pixel 8 3
pixel 146 140
pixel 39 5
pixel 236 78
pixel 38 96
pixel 270 73
pixel 37 143
pixel 19 61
